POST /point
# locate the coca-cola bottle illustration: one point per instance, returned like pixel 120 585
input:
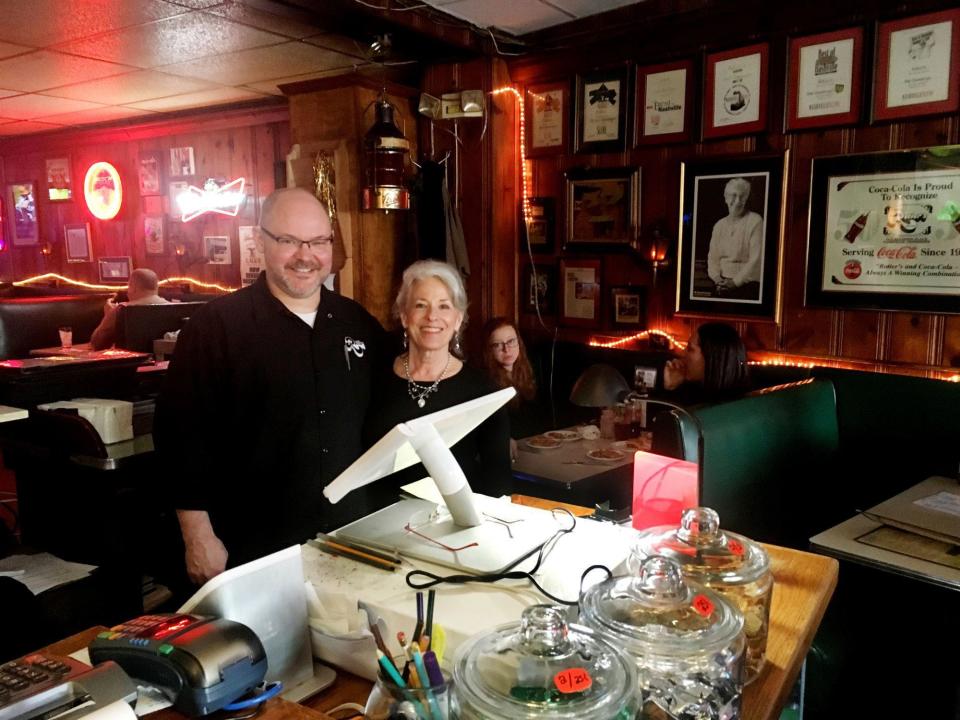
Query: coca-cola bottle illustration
pixel 858 225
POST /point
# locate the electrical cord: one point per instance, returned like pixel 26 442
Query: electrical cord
pixel 270 690
pixel 432 580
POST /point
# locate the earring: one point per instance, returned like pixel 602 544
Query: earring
pixel 456 343
pixel 404 339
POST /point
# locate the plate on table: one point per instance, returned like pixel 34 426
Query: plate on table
pixel 542 443
pixel 563 435
pixel 632 445
pixel 607 455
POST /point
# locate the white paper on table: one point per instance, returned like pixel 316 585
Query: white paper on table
pixel 942 501
pixel 43 571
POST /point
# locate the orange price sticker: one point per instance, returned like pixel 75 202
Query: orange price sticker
pixel 702 605
pixel 735 547
pixel 572 680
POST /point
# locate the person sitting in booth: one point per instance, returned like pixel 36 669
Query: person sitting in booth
pixel 713 368
pixel 431 376
pixel 141 290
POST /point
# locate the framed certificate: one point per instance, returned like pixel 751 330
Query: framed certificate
pixel 825 79
pixel 580 285
pixel 918 66
pixel 885 231
pixel 548 110
pixel 735 97
pixel 601 110
pixel 664 102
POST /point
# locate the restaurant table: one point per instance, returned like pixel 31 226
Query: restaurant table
pixel 568 475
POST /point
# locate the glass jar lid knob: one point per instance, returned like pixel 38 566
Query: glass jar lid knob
pixel 544 631
pixel 661 578
pixel 699 525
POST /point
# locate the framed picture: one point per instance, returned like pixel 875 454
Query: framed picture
pixel 825 79
pixel 154 237
pixel 603 207
pixel 735 95
pixel 664 102
pixel 539 288
pixel 601 111
pixel 580 285
pixel 628 306
pixel 885 231
pixel 216 248
pixel 114 269
pixel 59 187
pixel 548 112
pixel 176 187
pixel 918 66
pixel 181 162
pixel 731 237
pixel 76 240
pixel 644 378
pixel 540 226
pixel 251 259
pixel 24 204
pixel 150 168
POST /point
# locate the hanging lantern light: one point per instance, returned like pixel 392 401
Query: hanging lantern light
pixel 385 150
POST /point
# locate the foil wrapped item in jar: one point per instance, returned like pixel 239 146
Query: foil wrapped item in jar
pixel 687 640
pixel 731 564
pixel 543 668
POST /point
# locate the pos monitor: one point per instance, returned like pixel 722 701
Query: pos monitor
pixel 475 533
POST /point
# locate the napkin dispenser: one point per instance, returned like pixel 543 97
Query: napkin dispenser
pixel 112 419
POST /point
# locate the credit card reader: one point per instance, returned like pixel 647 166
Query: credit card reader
pixel 201 663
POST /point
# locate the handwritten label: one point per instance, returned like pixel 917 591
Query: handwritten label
pixel 735 547
pixel 572 680
pixel 702 605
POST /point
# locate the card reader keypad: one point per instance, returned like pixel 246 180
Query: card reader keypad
pixel 19 678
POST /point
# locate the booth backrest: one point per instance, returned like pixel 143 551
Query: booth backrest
pixel 139 325
pixel 32 322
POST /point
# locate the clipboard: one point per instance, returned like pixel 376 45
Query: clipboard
pixel 902 511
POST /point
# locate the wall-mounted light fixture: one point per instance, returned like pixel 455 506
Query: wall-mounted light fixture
pixel 216 196
pixel 654 248
pixel 103 190
pixel 385 151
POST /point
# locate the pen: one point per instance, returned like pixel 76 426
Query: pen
pixel 428 630
pixel 353 555
pixel 419 626
pixel 337 541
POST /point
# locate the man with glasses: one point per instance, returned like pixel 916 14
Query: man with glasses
pixel 265 399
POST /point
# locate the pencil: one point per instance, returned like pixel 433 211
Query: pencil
pixel 335 541
pixel 353 555
pixel 418 628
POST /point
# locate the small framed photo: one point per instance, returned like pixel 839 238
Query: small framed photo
pixel 825 79
pixel 154 237
pixel 644 378
pixel 114 269
pixel 216 248
pixel 580 285
pixel 23 200
pixel 917 66
pixel 176 188
pixel 181 162
pixel 664 102
pixel 735 97
pixel 603 207
pixel 628 306
pixel 731 237
pixel 539 288
pixel 548 112
pixel 59 186
pixel 150 168
pixel 601 110
pixel 540 226
pixel 76 240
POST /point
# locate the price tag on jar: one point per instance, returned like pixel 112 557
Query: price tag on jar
pixel 702 605
pixel 572 680
pixel 735 547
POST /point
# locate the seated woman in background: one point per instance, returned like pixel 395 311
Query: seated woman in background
pixel 429 376
pixel 506 364
pixel 714 367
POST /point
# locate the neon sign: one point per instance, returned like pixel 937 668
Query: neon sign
pixel 222 199
pixel 103 190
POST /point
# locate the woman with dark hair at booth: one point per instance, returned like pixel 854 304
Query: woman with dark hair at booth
pixel 713 368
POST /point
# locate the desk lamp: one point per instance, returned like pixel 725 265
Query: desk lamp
pixel 600 385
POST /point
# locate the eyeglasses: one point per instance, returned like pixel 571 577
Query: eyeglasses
pixel 292 244
pixel 505 345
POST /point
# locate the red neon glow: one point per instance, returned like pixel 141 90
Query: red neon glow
pixel 103 190
pixel 222 199
pixel 92 286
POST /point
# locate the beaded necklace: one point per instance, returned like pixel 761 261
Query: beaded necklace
pixel 419 392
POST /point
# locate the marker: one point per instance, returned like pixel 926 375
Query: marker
pixel 431 700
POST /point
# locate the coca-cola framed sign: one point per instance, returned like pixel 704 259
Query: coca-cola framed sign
pixel 884 231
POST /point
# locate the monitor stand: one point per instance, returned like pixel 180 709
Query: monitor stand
pixel 507 533
pixel 322 678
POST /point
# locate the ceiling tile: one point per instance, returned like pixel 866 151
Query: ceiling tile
pixel 47 22
pixel 24 127
pixel 131 87
pixel 101 114
pixel 513 16
pixel 198 99
pixel 250 66
pixel 340 43
pixel 584 8
pixel 45 69
pixel 9 49
pixel 30 107
pixel 183 37
pixel 264 20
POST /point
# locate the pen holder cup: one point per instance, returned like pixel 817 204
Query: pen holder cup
pixel 388 700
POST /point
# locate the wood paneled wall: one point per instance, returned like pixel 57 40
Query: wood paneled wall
pixel 929 340
pixel 227 144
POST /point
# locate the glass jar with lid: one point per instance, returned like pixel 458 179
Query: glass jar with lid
pixel 543 668
pixel 723 561
pixel 687 640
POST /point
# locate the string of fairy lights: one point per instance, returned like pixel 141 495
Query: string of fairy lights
pixel 46 277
